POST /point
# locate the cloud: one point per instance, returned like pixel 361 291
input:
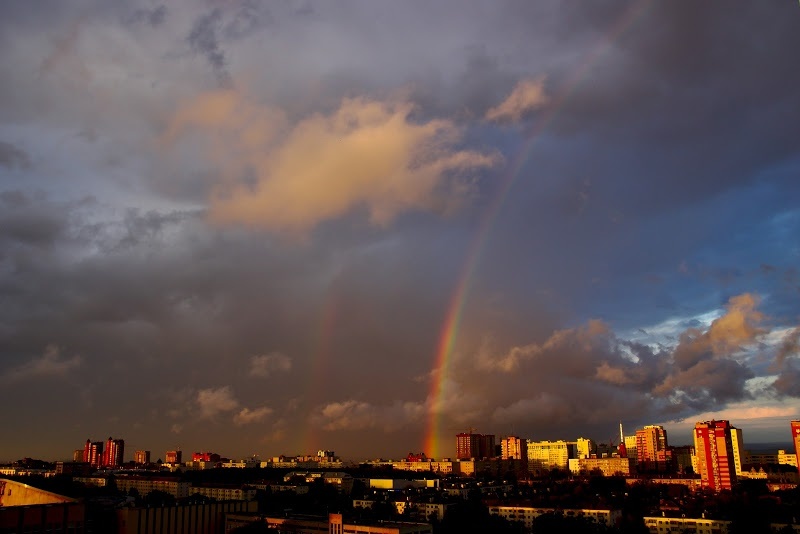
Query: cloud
pixel 526 96
pixel 265 365
pixel 277 433
pixel 215 401
pixel 247 416
pixel 12 157
pixel 787 362
pixel 154 17
pixel 359 415
pixel 366 154
pixel 203 40
pixel 574 367
pixel 50 363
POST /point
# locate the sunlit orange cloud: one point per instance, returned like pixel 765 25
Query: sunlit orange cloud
pixel 526 96
pixel 746 411
pixel 290 177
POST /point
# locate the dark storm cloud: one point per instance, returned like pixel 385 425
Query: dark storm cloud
pixel 29 220
pixel 248 17
pixel 153 16
pixel 13 157
pixel 649 185
pixel 711 107
pixel 203 39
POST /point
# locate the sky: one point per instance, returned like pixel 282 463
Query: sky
pixel 277 227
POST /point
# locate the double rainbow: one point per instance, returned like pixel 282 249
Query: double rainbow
pixel 432 443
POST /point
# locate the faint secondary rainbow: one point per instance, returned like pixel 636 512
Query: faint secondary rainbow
pixel 309 441
pixel 432 443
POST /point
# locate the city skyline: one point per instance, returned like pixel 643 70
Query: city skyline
pixel 263 226
pixel 471 439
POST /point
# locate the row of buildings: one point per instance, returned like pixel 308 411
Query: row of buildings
pixel 717 455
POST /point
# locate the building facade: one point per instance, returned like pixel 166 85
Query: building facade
pixel 652 450
pixel 796 440
pixel 737 442
pixel 93 453
pixel 608 467
pixel 685 525
pixel 469 445
pixel 526 514
pixel 141 457
pixel 585 447
pixel 114 452
pixel 547 455
pixel 713 445
pixel 514 448
pixel 173 457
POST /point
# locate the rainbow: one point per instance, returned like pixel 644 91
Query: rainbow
pixel 432 444
pixel 309 441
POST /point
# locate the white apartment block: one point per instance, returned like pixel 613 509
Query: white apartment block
pixel 665 525
pixel 526 515
pixel 423 509
pixel 145 485
pixel 222 493
pixel 787 458
pixel 546 455
pixel 242 464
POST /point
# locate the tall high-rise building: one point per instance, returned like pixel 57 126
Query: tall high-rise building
pixel 713 447
pixel 141 457
pixel 93 453
pixel 737 441
pixel 514 448
pixel 796 440
pixel 77 456
pixel 585 447
pixel 173 457
pixel 652 451
pixel 114 453
pixel 630 447
pixel 469 445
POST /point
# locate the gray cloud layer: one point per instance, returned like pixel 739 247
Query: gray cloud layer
pixel 254 219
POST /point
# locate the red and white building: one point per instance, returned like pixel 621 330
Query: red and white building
pixel 713 447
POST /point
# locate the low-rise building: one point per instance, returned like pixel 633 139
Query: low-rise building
pixel 144 485
pixel 401 483
pixel 341 480
pixel 334 523
pixel 199 518
pixel 224 492
pixel 416 509
pixel 665 525
pixel 526 514
pixel 609 466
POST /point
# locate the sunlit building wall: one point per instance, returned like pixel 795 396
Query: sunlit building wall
pixel 652 448
pixel 796 439
pixel 585 447
pixel 713 445
pixel 114 452
pixel 514 448
pixel 469 445
pixel 173 457
pixel 737 441
pixel 93 452
pixel 546 455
